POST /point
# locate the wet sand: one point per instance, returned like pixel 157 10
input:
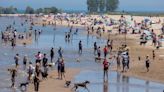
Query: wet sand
pixel 53 84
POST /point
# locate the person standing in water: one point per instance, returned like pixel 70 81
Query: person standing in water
pixel 60 52
pixel 106 67
pixel 95 48
pixel 80 47
pixel 52 54
pixel 105 51
pixel 16 58
pixel 25 60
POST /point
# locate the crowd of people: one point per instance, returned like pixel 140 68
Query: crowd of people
pixel 121 56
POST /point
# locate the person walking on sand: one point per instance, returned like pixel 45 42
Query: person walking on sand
pixel 62 69
pixel 52 54
pixel 44 62
pixel 16 58
pixel 37 77
pixel 80 47
pixel 153 55
pixel 58 63
pixel 13 75
pixel 147 63
pixel 106 67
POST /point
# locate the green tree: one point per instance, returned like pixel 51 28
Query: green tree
pixel 101 5
pixel 111 5
pixel 40 10
pixel 29 10
pixel 92 5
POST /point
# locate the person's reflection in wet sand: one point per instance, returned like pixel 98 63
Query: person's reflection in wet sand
pixel 105 86
pixel 118 81
pixel 147 86
pixel 125 81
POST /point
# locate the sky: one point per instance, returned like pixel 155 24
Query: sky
pixel 127 5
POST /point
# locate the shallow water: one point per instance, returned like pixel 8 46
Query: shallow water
pixel 116 83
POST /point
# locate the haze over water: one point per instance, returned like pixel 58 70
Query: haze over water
pixel 80 5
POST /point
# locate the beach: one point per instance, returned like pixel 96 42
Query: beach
pixel 137 67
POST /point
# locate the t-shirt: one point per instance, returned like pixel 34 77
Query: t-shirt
pixel 106 64
pixel 45 61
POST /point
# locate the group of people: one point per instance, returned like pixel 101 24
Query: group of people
pixel 40 68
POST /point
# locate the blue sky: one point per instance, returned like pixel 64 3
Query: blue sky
pixel 128 5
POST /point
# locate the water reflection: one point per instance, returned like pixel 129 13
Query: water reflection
pixel 117 83
pixel 105 86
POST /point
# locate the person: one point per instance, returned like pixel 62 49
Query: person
pixel 44 62
pixel 13 75
pixel 25 60
pixel 99 53
pixel 125 61
pixel 80 47
pixel 105 51
pixel 38 57
pixel 52 54
pixel 58 63
pixel 16 58
pixel 118 61
pixel 147 63
pixel 62 70
pixel 60 52
pixel 30 71
pixel 36 77
pixel 95 48
pixel 153 54
pixel 106 66
pixel 12 43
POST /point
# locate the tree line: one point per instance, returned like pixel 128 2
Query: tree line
pixel 29 10
pixel 95 6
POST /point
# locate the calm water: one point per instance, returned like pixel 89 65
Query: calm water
pixel 116 83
